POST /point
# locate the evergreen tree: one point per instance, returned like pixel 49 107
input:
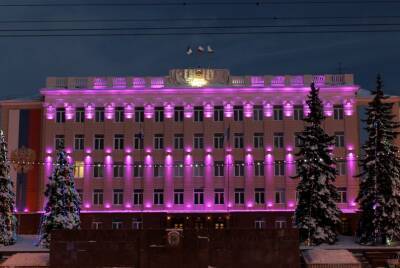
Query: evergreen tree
pixel 7 198
pixel 62 209
pixel 316 215
pixel 379 195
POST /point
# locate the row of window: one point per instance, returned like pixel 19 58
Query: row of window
pixel 198 141
pixel 198 196
pixel 198 113
pixel 137 224
pixel 197 169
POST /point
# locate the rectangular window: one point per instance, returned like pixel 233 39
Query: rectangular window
pixel 99 142
pixel 198 141
pixel 218 140
pixel 280 224
pixel 158 141
pixel 118 141
pixel 198 114
pixel 280 197
pixel 339 139
pixel 218 113
pixel 79 142
pixel 238 140
pixel 159 114
pixel 297 140
pixel 239 196
pixel 338 112
pixel 219 196
pixel 258 140
pixel 259 196
pixel 198 197
pixel 119 114
pixel 178 141
pixel 341 168
pixel 278 112
pixel 116 225
pixel 138 141
pixel 138 196
pixel 198 169
pixel 218 168
pixel 60 115
pixel 342 191
pixel 158 197
pixel 178 196
pixel 178 114
pixel 97 225
pixel 139 114
pixel 78 169
pixel 279 168
pixel 158 171
pixel 178 169
pixel 80 115
pixel 97 197
pixel 99 114
pixel 239 169
pixel 238 113
pixel 259 168
pixel 137 224
pixel 278 140
pixel 59 141
pixel 298 112
pixel 118 170
pixel 138 169
pixel 259 224
pixel 258 113
pixel 118 197
pixel 98 170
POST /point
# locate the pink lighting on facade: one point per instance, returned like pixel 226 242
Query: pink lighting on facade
pixel 87 205
pixel 168 111
pixel 89 111
pixel 169 205
pixel 107 205
pixel 248 110
pixel 128 150
pixel 257 81
pixel 99 83
pixel 157 82
pixel 270 204
pixel 268 109
pixel 148 111
pixel 348 108
pixel 26 210
pixel 49 150
pixel 109 111
pixel 128 205
pixel 188 206
pixel 229 205
pixel 291 204
pixel 88 150
pixel 128 111
pixel 108 150
pixel 209 205
pixel 69 112
pixel 228 110
pixel 188 111
pixel 328 109
pixel 119 82
pixel 138 82
pixel 353 204
pixel 208 110
pixel 148 205
pixel 50 112
pixel 249 204
pixel 288 109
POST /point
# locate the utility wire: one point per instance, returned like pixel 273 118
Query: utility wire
pixel 202 3
pixel 203 33
pixel 222 27
pixel 275 18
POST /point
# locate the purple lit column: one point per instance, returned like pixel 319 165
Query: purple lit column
pixel 229 192
pixel 208 181
pixel 87 178
pixel 352 185
pixel 108 185
pixel 290 183
pixel 169 181
pixel 188 181
pixel 269 179
pixel 148 182
pixel 249 180
pixel 128 183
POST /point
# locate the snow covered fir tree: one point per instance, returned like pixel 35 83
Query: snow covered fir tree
pixel 316 215
pixel 62 210
pixel 379 195
pixel 8 221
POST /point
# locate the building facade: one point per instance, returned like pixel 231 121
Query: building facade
pixel 199 147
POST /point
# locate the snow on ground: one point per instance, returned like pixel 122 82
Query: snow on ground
pixel 25 243
pixel 347 242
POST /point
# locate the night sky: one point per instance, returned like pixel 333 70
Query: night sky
pixel 27 61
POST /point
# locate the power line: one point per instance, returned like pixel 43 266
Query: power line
pixel 203 3
pixel 203 33
pixel 275 18
pixel 222 27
